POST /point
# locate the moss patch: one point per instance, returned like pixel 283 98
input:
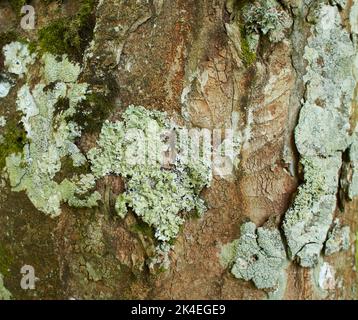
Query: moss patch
pixel 5 260
pixel 93 111
pixel 69 171
pixel 7 37
pixel 13 140
pixel 16 5
pixel 69 35
pixel 247 56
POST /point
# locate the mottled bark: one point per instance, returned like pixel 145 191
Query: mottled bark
pixel 178 56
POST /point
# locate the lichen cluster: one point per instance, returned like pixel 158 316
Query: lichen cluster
pixel 17 58
pixel 308 220
pixel 265 17
pixel 259 256
pixel 5 86
pixel 156 191
pixel 252 19
pixel 322 134
pixel 338 239
pixel 4 293
pixel 50 136
pixel 69 35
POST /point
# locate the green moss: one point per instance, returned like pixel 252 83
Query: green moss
pixel 10 36
pixel 57 37
pixel 69 35
pixel 247 56
pixel 16 5
pixel 93 111
pixel 5 260
pixel 69 170
pixel 143 228
pixel 13 140
pixel 234 6
pixel 7 37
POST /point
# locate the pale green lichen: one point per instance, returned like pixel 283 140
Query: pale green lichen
pixel 338 239
pixel 228 253
pixel 353 17
pixel 2 121
pixel 322 135
pixel 17 58
pixel 51 138
pixel 260 256
pixel 5 86
pixel 308 220
pixel 252 19
pixel 265 17
pixel 157 192
pixel 341 3
pixel 4 293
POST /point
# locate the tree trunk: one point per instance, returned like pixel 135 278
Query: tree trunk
pixel 272 71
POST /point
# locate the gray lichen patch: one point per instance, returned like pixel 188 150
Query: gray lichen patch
pixel 5 86
pixel 252 19
pixel 51 137
pixel 4 293
pixel 157 191
pixel 228 253
pixel 322 134
pixel 17 58
pixel 265 17
pixel 260 256
pixel 338 239
pixel 308 220
pixel 324 120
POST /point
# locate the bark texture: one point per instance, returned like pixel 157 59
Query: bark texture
pixel 188 58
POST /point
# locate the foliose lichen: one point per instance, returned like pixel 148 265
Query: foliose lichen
pixel 252 19
pixel 308 220
pixel 228 253
pixel 157 191
pixel 338 239
pixel 2 121
pixel 322 134
pixel 5 86
pixel 4 293
pixel 265 17
pixel 17 58
pixel 260 256
pixel 50 138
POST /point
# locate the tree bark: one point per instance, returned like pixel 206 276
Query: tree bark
pixel 182 57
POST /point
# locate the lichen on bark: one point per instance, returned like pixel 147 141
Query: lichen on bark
pixel 322 134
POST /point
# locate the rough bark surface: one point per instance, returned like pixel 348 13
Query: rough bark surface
pixel 176 56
